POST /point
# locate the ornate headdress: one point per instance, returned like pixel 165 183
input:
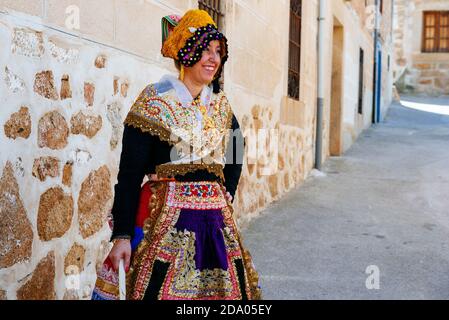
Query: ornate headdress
pixel 184 39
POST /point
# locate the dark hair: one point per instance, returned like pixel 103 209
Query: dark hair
pixel 216 85
pixel 177 65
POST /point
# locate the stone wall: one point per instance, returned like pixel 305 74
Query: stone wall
pixel 65 93
pixel 256 82
pixel 63 102
pixel 417 72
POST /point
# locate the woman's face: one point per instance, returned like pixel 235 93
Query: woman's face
pixel 204 70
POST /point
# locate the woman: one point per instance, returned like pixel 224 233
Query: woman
pixel 177 234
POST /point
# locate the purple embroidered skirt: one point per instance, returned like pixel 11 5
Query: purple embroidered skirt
pixel 186 246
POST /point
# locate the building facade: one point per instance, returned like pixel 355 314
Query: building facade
pixel 71 70
pixel 421 39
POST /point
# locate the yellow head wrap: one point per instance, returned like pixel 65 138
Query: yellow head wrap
pixel 176 40
pixel 184 39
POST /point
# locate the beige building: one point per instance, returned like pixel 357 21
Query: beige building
pixel 71 70
pixel 421 40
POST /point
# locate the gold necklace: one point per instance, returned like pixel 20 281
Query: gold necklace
pixel 208 122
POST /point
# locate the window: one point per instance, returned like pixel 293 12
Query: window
pixel 213 7
pixel 361 66
pixel 435 36
pixel 294 52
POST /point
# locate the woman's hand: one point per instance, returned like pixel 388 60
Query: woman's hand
pixel 228 196
pixel 121 250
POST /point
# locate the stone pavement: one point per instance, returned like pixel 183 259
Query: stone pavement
pixel 385 202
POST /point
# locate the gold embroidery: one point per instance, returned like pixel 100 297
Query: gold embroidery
pixel 251 275
pixel 158 191
pixel 151 227
pixel 168 170
pixel 186 277
pixel 147 252
pixel 110 289
pixel 137 121
pixel 166 117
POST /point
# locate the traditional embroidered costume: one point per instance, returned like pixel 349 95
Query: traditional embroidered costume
pixel 185 241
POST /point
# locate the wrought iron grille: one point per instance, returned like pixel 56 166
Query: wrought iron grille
pixel 294 54
pixel 213 7
pixel 361 67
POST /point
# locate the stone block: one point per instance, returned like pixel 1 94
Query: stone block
pixel 442 83
pixel 92 202
pixel 14 82
pixel 124 89
pixel 74 261
pixel 19 124
pixel 67 174
pixel 114 117
pixel 430 73
pixel 71 294
pixel 53 131
pixel 273 185
pixel 44 167
pixel 423 66
pixel 55 214
pixel 426 81
pixel 85 124
pixel 44 85
pixel 63 52
pixel 100 62
pixel 41 286
pixel 115 84
pixel 27 42
pixel 89 93
pixel 287 181
pixel 66 92
pixel 16 234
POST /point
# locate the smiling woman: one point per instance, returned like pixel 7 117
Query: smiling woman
pixel 204 71
pixel 177 234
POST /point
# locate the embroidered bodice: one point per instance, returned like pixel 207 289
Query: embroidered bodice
pixel 198 132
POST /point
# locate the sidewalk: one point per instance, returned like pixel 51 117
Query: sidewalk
pixel 384 203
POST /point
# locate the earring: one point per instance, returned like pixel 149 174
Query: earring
pixel 181 73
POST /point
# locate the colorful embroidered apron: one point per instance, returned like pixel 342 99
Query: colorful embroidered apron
pixel 186 246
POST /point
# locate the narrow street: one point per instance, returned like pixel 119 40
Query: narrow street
pixel 385 202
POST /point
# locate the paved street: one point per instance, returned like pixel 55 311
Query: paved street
pixel 384 203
